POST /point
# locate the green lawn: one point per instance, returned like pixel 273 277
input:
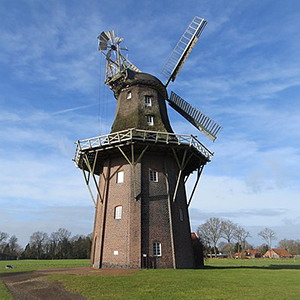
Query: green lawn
pixel 4 294
pixel 31 265
pixel 221 279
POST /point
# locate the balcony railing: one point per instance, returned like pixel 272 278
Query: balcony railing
pixel 133 134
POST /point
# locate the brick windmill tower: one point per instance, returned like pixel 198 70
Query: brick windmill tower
pixel 140 168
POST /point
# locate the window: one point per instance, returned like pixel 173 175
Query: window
pixel 153 176
pixel 118 212
pixel 181 214
pixel 148 101
pixel 156 249
pixel 128 95
pixel 120 177
pixel 150 120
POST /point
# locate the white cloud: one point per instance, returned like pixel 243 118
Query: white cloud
pixel 22 220
pixel 228 198
pixel 242 73
pixel 232 196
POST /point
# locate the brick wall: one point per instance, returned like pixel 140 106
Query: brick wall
pixel 145 215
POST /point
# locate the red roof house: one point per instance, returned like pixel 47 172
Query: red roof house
pixel 277 253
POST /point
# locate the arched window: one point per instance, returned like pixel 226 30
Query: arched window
pixel 128 95
pixel 120 177
pixel 118 212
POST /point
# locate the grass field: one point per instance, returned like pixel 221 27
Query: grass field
pixel 32 265
pixel 221 279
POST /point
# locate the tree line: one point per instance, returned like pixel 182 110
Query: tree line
pixel 215 234
pixel 57 245
pixel 234 238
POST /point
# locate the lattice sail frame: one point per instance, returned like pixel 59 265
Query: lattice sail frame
pixel 183 49
pixel 202 122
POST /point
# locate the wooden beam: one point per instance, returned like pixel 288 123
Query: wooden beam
pixel 170 214
pixel 199 172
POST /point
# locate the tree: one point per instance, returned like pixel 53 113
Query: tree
pixel 213 230
pixel 237 247
pixel 27 252
pixel 58 243
pixel 268 235
pixel 292 246
pixel 228 232
pixel 262 248
pixel 204 235
pixel 241 236
pixel 63 233
pixel 81 246
pixel 3 238
pixel 224 247
pixel 38 241
pixel 14 247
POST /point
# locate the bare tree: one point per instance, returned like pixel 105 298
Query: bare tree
pixel 38 241
pixel 244 235
pixel 59 242
pixel 14 247
pixel 228 232
pixel 3 238
pixel 224 247
pixel 63 233
pixel 60 235
pixel 292 246
pixel 268 235
pixel 204 235
pixel 241 236
pixel 214 230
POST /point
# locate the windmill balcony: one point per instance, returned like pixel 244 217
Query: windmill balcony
pixel 108 144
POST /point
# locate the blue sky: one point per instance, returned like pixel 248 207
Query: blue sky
pixel 244 72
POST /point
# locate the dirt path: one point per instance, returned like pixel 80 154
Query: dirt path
pixel 36 285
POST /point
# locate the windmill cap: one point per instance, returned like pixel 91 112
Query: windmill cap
pixel 134 78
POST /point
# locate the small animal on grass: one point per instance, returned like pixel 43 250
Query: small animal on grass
pixel 9 267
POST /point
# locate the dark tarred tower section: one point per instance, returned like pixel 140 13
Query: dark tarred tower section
pixel 141 217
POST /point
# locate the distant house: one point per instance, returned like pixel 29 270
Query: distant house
pixel 277 253
pixel 252 254
pixel 248 254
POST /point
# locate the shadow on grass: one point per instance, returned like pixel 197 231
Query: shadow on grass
pixel 270 267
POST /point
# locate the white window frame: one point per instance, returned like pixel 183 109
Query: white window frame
pixel 120 177
pixel 157 249
pixel 153 176
pixel 148 100
pixel 150 120
pixel 118 212
pixel 129 95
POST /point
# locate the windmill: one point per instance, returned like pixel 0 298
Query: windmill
pixel 140 168
pixel 117 64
